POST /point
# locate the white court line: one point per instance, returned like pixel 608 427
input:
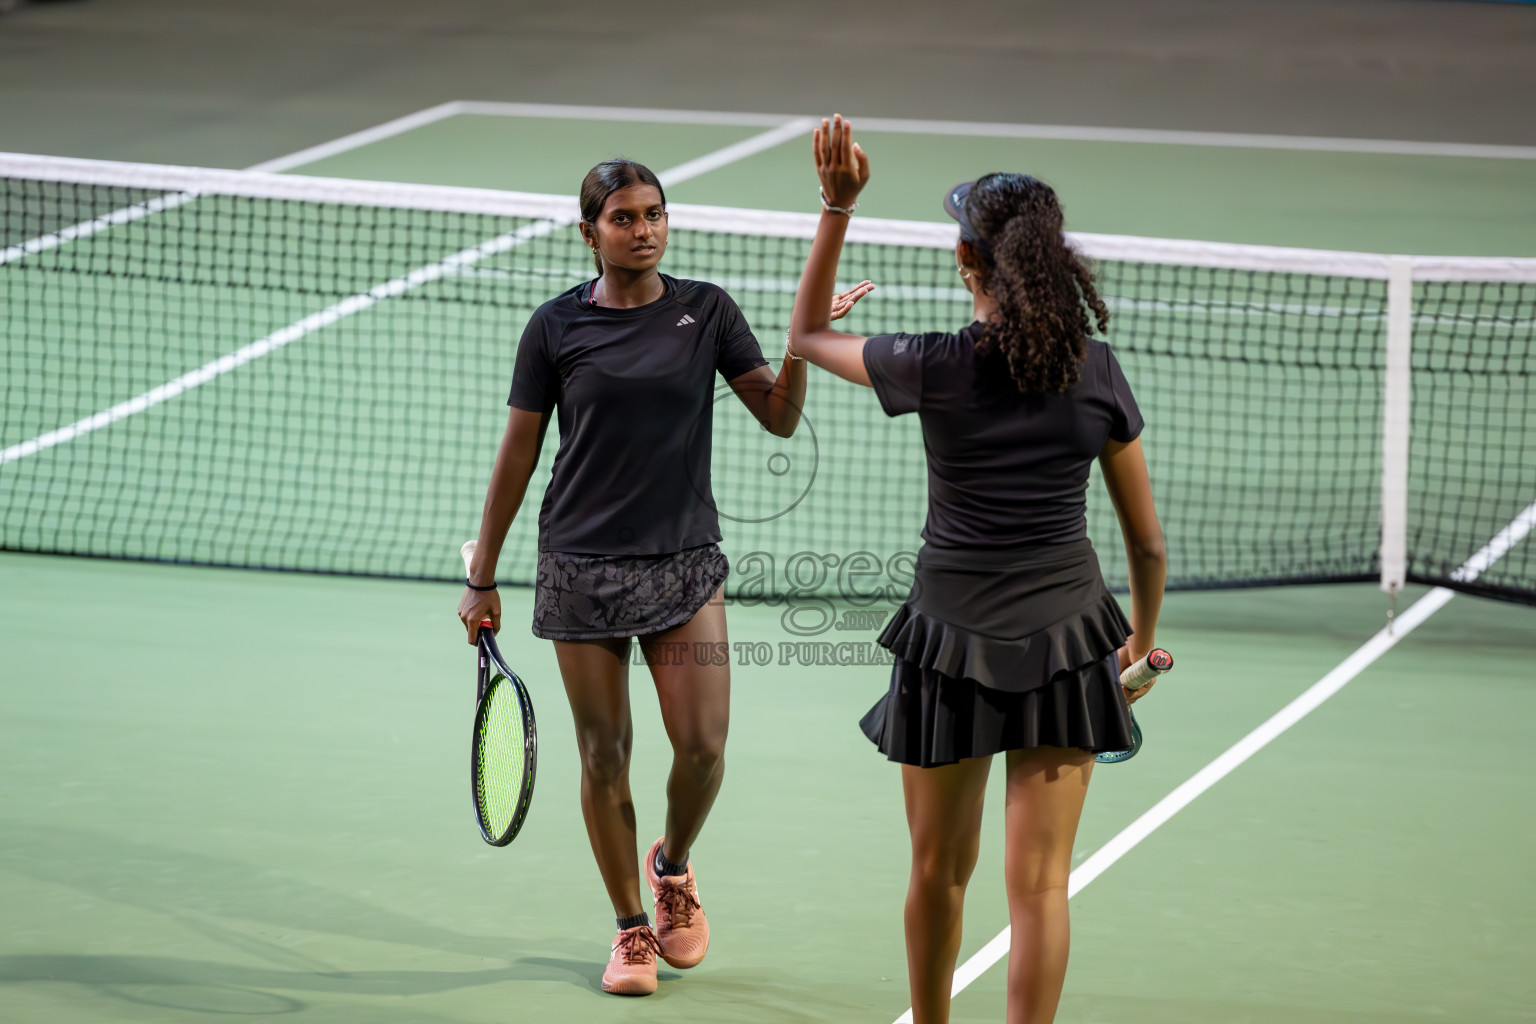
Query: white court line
pixel 979 129
pixel 85 229
pixel 740 151
pixel 271 343
pixel 1258 739
pixel 379 132
pixel 564 111
pixel 783 129
pixel 353 304
pixel 138 211
pixel 1164 137
pixel 1495 549
pixel 986 129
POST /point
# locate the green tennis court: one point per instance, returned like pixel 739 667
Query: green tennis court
pixel 243 794
pixel 237 793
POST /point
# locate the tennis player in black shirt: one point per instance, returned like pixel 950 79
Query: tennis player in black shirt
pixel 628 536
pixel 1009 642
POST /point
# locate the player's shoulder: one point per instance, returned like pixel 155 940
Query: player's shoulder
pixel 704 295
pixel 1100 369
pixel 571 302
pixel 559 312
pixel 1099 356
pixel 1098 350
pixel 936 346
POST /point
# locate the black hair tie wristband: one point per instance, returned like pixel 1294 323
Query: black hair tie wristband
pixel 471 586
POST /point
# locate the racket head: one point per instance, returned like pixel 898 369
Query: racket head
pixel 504 747
pixel 1117 756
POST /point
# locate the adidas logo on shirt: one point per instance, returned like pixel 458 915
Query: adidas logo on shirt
pixel 685 321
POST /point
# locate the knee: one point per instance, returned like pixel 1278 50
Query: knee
pixel 1038 886
pixel 700 756
pixel 604 760
pixel 1036 876
pixel 944 865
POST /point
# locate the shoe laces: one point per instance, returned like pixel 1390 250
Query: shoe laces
pixel 680 899
pixel 636 945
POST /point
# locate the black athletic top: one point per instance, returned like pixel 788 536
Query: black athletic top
pixel 1005 470
pixel 635 390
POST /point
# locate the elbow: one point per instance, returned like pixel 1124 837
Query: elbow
pixel 1150 549
pixel 785 429
pixel 803 343
pixel 796 343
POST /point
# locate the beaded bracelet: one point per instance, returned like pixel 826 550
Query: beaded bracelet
pixel 846 211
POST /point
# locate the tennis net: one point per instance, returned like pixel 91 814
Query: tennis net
pixel 281 372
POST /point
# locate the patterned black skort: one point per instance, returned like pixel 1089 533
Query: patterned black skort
pixel 600 597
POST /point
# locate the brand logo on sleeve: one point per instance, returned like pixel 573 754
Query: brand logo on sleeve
pixel 685 321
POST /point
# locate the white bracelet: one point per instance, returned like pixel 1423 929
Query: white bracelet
pixel 787 354
pixel 846 211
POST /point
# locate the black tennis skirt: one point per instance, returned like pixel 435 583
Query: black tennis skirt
pixel 601 597
pixel 1000 650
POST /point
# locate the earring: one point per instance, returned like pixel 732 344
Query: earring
pixel 963 272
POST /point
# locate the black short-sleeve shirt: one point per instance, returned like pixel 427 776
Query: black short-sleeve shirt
pixel 1004 469
pixel 634 392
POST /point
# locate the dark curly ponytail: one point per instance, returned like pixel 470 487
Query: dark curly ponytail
pixel 1044 290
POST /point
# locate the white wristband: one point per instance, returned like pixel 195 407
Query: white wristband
pixel 846 211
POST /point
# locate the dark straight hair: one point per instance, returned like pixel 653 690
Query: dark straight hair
pixel 603 181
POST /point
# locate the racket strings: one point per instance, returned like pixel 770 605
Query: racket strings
pixel 501 759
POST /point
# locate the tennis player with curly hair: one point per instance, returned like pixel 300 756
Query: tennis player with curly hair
pixel 1009 642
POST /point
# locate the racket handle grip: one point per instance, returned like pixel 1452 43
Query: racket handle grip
pixel 1147 669
pixel 467 552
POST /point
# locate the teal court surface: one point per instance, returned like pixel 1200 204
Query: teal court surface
pixel 241 794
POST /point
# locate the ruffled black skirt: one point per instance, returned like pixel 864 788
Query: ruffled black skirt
pixel 1002 650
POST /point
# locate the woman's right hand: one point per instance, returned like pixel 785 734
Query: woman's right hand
pixel 475 607
pixel 1129 655
pixel 840 162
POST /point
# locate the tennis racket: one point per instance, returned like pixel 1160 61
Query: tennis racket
pixel 504 749
pixel 1138 675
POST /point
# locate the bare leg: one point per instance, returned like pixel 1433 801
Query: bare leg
pixel 1046 789
pixel 691 667
pixel 944 817
pixel 596 674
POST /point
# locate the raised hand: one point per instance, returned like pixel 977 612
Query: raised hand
pixel 844 301
pixel 840 162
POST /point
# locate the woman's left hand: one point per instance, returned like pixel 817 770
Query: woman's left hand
pixel 1132 696
pixel 842 303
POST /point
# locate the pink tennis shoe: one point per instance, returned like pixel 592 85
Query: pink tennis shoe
pixel 632 966
pixel 682 932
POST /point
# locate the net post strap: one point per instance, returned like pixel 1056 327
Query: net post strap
pixel 1396 407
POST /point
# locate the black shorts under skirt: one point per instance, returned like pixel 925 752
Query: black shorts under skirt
pixel 603 597
pixel 1002 649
